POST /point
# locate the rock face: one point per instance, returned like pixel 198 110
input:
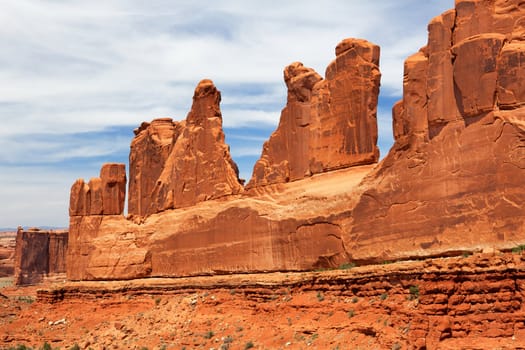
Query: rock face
pixel 39 254
pixel 327 123
pixel 452 182
pixel 104 195
pixel 174 165
pixel 454 178
pixel 7 253
pixel 455 303
pixel 180 172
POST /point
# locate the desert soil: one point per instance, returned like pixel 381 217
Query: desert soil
pixel 369 307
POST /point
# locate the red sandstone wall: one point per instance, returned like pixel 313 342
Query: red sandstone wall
pixel 39 254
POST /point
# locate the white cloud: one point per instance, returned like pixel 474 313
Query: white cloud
pixel 74 67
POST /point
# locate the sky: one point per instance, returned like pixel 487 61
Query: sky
pixel 78 76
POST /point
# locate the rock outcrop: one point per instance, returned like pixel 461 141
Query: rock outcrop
pixel 178 164
pixel 39 254
pixel 454 178
pixel 7 253
pixel 454 303
pixel 327 124
pixel 104 195
pixel 452 182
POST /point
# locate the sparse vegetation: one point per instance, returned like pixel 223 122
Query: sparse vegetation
pixel 208 334
pixel 347 266
pixel 248 345
pixel 21 347
pixel 27 299
pixel 355 300
pixel 414 292
pixel 396 346
pixel 320 296
pixel 518 249
pixel 351 313
pixel 46 346
pixel 383 296
pixel 75 347
pixel 157 301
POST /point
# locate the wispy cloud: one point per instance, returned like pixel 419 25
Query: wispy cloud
pixel 77 76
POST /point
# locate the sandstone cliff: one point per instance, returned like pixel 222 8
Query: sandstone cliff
pixel 179 222
pixel 39 254
pixel 454 178
pixel 453 181
pixel 327 124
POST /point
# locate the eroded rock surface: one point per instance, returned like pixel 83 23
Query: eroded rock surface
pixel 452 182
pixel 39 254
pixel 327 124
pixel 454 178
pixel 104 195
pixel 178 164
pixel 7 253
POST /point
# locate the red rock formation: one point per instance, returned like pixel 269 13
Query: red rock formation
pixel 452 182
pixel 454 178
pixel 39 254
pixel 7 253
pixel 150 149
pixel 104 195
pixel 175 165
pixel 327 123
pixel 474 302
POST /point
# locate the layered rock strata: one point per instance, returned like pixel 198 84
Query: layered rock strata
pixel 39 255
pixel 474 302
pixel 327 123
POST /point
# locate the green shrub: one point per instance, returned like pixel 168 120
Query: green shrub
pixel 320 296
pixel 347 266
pixel 208 334
pixel 248 345
pixel 414 292
pixel 518 249
pixel 46 346
pixel 351 313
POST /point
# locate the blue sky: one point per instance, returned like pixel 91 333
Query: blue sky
pixel 78 76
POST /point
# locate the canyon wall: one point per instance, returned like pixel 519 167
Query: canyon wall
pixel 39 255
pixel 452 182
